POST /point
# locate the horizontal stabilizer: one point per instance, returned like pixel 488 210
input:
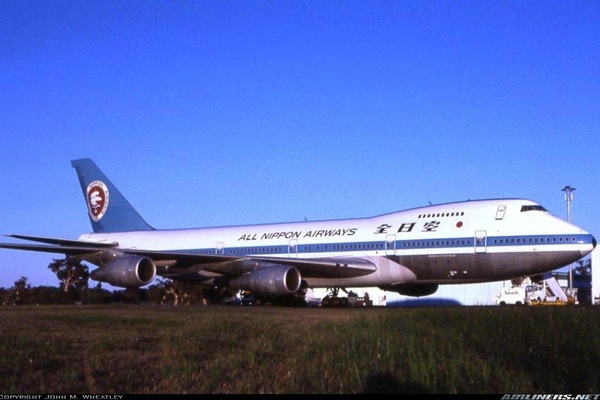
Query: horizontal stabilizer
pixel 55 245
pixel 68 250
pixel 64 242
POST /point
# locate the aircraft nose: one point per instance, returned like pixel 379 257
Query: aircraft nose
pixel 585 248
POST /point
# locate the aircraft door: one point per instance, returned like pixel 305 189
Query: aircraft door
pixel 390 245
pixel 500 212
pixel 293 248
pixel 480 241
pixel 220 248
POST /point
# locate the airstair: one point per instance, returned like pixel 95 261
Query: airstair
pixel 554 288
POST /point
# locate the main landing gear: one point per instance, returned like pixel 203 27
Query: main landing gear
pixel 353 300
pixel 332 299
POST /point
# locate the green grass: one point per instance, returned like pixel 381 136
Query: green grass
pixel 118 349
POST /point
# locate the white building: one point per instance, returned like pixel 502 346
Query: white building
pixel 596 276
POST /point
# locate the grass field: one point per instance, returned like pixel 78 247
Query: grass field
pixel 122 349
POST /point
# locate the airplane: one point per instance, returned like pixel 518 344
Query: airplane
pixel 410 252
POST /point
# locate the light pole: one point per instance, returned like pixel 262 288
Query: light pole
pixel 569 198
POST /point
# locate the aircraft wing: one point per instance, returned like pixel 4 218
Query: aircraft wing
pixel 238 265
pixel 346 267
pixel 184 261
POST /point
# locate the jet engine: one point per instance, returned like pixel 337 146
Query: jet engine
pixel 278 280
pixel 126 271
pixel 412 289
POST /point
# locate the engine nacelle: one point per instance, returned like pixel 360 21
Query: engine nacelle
pixel 412 289
pixel 278 280
pixel 126 271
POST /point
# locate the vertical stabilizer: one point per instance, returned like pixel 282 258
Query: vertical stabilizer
pixel 108 210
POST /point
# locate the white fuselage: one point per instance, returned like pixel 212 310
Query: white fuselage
pixel 462 242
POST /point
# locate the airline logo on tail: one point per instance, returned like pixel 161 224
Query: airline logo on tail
pixel 97 199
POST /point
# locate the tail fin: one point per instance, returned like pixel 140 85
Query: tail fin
pixel 108 210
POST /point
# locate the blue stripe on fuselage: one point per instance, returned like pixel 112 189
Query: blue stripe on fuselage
pixel 445 243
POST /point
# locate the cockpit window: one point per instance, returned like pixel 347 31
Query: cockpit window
pixel 533 208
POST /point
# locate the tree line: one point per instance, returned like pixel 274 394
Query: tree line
pixel 73 277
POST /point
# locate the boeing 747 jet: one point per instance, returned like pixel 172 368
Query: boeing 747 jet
pixel 410 252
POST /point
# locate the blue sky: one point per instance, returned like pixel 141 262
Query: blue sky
pixel 228 112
